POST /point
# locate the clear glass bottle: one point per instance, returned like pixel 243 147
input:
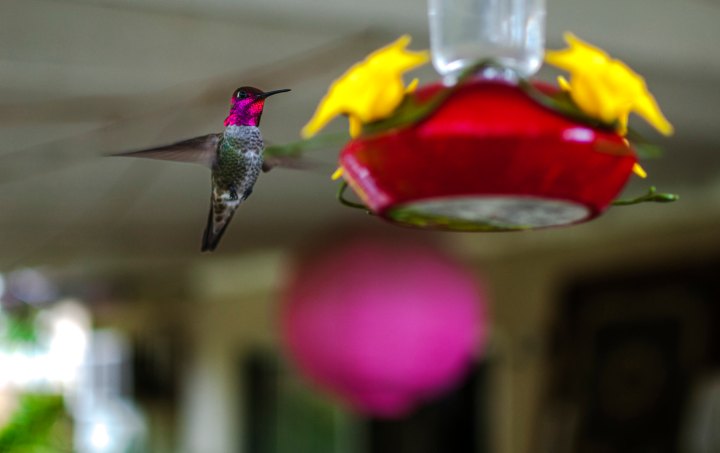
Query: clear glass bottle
pixel 464 33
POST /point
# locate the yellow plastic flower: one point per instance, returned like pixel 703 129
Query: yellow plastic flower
pixel 606 88
pixel 638 170
pixel 369 90
pixel 337 174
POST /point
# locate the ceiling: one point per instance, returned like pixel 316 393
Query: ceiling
pixel 80 79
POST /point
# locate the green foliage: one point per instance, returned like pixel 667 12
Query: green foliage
pixel 20 326
pixel 39 425
pixel 305 423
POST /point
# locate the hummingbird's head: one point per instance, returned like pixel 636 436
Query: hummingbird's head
pixel 246 106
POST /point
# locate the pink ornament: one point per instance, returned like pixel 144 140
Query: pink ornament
pixel 385 326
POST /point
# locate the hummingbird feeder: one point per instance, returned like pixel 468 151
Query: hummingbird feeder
pixel 489 158
pixel 486 149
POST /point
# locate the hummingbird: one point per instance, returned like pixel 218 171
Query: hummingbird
pixel 234 156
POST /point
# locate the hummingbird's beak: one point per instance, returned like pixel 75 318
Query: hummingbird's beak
pixel 270 93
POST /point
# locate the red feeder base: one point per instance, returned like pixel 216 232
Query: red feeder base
pixel 489 159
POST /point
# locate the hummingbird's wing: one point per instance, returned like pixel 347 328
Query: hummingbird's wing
pixel 295 163
pixel 292 155
pixel 199 150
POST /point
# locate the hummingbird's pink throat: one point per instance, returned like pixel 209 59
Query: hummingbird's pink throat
pixel 245 112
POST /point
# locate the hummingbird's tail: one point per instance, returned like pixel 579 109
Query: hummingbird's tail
pixel 219 218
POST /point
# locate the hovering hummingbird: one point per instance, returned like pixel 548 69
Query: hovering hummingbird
pixel 234 156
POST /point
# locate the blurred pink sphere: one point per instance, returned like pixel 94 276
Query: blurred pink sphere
pixel 385 326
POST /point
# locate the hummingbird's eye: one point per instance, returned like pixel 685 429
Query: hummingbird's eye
pixel 241 94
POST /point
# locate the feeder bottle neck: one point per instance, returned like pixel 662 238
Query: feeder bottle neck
pixel 464 33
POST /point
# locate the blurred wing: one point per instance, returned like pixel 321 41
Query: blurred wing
pixel 295 163
pixel 199 150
